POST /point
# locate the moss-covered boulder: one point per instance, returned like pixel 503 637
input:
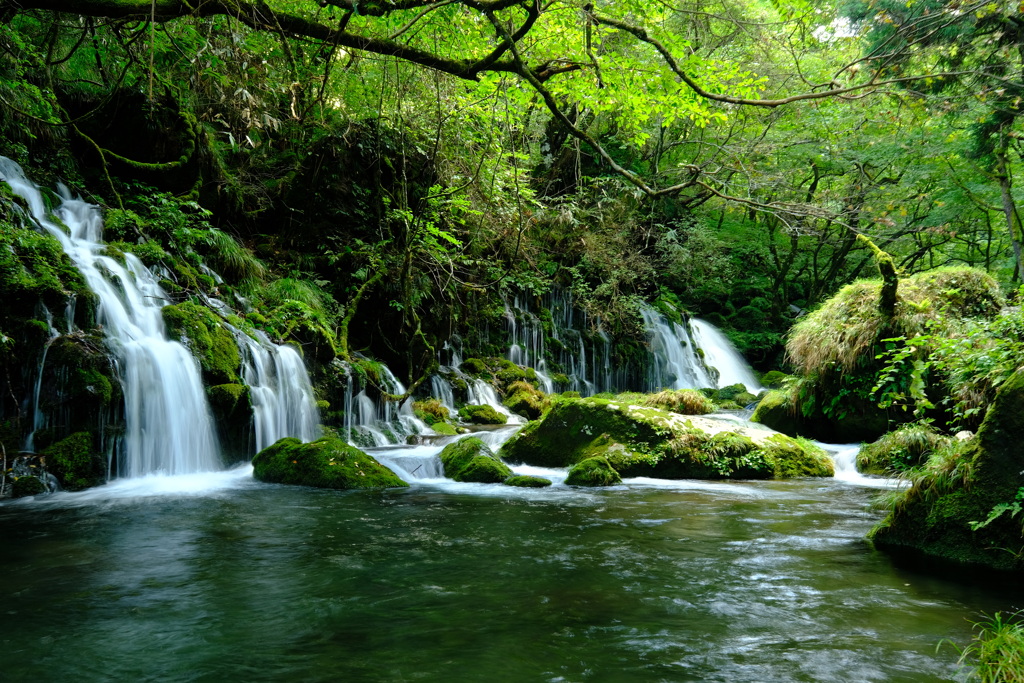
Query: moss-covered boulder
pixel 430 410
pixel 27 486
pixel 526 400
pixel 75 462
pixel 901 449
pixel 840 348
pixel 682 401
pixel 213 345
pixel 966 506
pixel 471 460
pixel 231 405
pixel 482 415
pixel 641 441
pixel 526 481
pixel 776 410
pixel 328 463
pixel 596 471
pixel 444 429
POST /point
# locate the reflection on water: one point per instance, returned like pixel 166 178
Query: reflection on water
pixel 648 581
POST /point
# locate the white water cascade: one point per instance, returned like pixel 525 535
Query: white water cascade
pixel 674 360
pixel 720 354
pixel 282 396
pixel 169 428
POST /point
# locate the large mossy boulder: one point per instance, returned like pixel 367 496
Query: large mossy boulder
pixel 327 463
pixel 639 441
pixel 966 505
pixel 75 462
pixel 471 460
pixel 840 348
pixel 526 400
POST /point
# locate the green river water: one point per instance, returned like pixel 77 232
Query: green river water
pixel 225 579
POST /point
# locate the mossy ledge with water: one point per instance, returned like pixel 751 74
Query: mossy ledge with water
pixel 603 440
pixel 327 463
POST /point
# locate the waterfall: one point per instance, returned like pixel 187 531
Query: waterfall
pixel 282 396
pixel 720 354
pixel 37 414
pixel 372 424
pixel 674 360
pixel 168 426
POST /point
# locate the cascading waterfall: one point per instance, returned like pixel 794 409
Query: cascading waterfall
pixel 674 360
pixel 282 396
pixel 37 413
pixel 720 354
pixel 369 424
pixel 168 425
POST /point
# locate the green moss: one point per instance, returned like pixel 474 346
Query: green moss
pixel 213 345
pixel 642 441
pixel 951 510
pixel 482 415
pixel 527 481
pixel 774 379
pixel 476 367
pixel 232 410
pixel 471 460
pixel 27 486
pixel 906 447
pixel 328 462
pixel 75 462
pixel 682 401
pixel 526 400
pixel 430 411
pixel 593 472
pixel 444 429
pixel 776 410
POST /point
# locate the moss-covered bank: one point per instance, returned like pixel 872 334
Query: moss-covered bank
pixel 604 440
pixel 327 463
pixel 965 504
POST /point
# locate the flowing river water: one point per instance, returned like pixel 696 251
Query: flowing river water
pixel 217 577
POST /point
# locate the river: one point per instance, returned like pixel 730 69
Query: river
pixel 221 578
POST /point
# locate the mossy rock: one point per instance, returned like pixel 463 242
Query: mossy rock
pixel 471 460
pixel 730 392
pixel 213 345
pixel 328 463
pixel 430 410
pixel 776 410
pixel 642 441
pixel 906 447
pixel 475 367
pixel 74 461
pixel 231 405
pixel 444 429
pixel 527 481
pixel 482 415
pixel 526 400
pixel 968 482
pixel 774 379
pixel 27 486
pixel 682 401
pixel 595 471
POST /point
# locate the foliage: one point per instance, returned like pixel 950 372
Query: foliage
pixel 996 653
pixel 906 447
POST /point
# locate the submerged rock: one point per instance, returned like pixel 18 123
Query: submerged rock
pixel 642 441
pixel 327 463
pixel 471 460
pixel 966 506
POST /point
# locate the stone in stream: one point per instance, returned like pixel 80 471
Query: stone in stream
pixel 327 463
pixel 634 441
